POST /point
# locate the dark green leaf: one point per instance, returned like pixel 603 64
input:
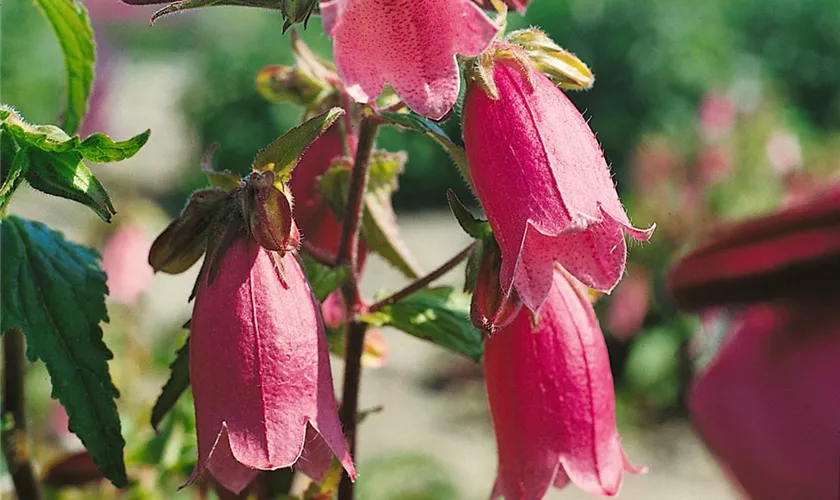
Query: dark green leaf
pixel 283 154
pixel 179 380
pixel 324 280
pixel 75 36
pixel 471 225
pixel 16 173
pixel 196 4
pixel 54 291
pixel 65 175
pixel 418 123
pixel 439 315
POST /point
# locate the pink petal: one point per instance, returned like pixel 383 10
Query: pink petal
pixel 259 364
pixel 767 405
pixel 409 45
pixel 551 397
pixel 544 184
pixel 125 261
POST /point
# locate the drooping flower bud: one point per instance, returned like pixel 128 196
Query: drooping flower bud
pixel 544 184
pixel 492 308
pixel 552 400
pixel 183 242
pixel 269 213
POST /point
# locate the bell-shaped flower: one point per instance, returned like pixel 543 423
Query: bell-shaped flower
pixel 409 45
pixel 260 371
pixel 544 184
pixel 552 400
pixel 768 404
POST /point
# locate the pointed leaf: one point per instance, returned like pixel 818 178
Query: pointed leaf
pixel 54 291
pixel 439 315
pixel 473 226
pixel 99 148
pixel 196 4
pixel 283 154
pixel 179 380
pixel 75 36
pixel 17 172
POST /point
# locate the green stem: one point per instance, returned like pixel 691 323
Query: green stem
pixel 14 438
pixel 348 254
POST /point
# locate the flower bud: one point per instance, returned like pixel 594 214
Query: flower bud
pixel 492 308
pixel 183 242
pixel 269 213
pixel 558 64
pixel 277 83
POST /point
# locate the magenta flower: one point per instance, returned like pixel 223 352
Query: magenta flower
pixel 260 372
pixel 768 404
pixel 544 184
pixel 124 260
pixel 409 45
pixel 551 397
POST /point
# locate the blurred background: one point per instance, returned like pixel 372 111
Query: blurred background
pixel 708 112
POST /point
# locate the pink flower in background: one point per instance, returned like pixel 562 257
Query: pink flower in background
pixel 551 396
pixel 409 45
pixel 125 261
pixel 544 184
pixel 260 372
pixel 717 115
pixel 768 405
pixel 714 164
pixel 629 304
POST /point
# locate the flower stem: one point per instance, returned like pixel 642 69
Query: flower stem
pixel 348 254
pixel 425 280
pixel 14 438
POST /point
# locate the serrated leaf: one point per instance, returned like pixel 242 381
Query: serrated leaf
pixel 54 291
pixel 283 154
pixel 324 280
pixel 439 315
pixel 66 175
pixel 418 123
pixel 75 36
pixel 178 382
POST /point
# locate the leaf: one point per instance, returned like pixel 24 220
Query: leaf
pixel 418 123
pixel 16 173
pixel 54 291
pixel 99 148
pixel 324 280
pixel 175 386
pixel 75 36
pixel 196 4
pixel 473 226
pixel 379 224
pixel 439 315
pixel 66 175
pixel 283 154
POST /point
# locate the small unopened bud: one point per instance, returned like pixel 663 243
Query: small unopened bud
pixel 491 307
pixel 183 242
pixel 297 12
pixel 558 64
pixel 278 83
pixel 269 212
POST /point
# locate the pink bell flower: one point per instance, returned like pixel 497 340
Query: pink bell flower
pixel 768 404
pixel 409 45
pixel 260 372
pixel 544 185
pixel 124 261
pixel 552 400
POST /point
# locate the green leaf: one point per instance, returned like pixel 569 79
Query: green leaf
pixel 379 223
pixel 473 226
pixel 179 381
pixel 75 36
pixel 283 154
pixel 197 4
pixel 66 175
pixel 324 280
pixel 418 123
pixel 439 315
pixel 55 160
pixel 17 172
pixel 54 291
